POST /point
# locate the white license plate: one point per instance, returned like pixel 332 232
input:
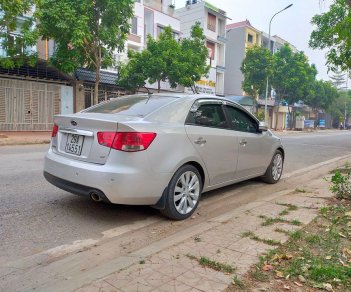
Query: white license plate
pixel 74 144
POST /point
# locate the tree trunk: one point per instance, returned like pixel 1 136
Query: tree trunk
pixel 96 87
pixel 290 117
pixel 276 115
pixel 159 86
pixel 97 77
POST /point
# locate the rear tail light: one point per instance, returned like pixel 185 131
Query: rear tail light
pixel 126 141
pixel 54 131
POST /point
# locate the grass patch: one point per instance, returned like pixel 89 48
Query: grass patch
pixel 214 265
pixel 300 190
pixel 258 275
pixel 280 230
pixel 237 282
pixel 284 212
pixel 252 236
pixel 296 235
pixel 270 221
pixel 217 266
pixel 290 207
pixel 320 252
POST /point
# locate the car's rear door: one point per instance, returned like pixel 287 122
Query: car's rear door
pixel 208 130
pixel 254 148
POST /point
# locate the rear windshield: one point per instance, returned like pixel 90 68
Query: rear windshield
pixel 134 105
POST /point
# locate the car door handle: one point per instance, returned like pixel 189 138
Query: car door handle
pixel 243 142
pixel 200 141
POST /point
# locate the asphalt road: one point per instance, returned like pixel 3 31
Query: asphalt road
pixel 36 216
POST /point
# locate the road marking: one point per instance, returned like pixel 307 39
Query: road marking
pixel 78 245
pixel 315 166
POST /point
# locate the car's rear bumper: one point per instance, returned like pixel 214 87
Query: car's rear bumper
pixel 74 188
pixel 132 185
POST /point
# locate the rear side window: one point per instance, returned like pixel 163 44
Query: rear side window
pixel 134 105
pixel 208 115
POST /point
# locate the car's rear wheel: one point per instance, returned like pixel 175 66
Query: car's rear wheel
pixel 275 168
pixel 183 193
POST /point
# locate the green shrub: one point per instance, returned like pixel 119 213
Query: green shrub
pixel 341 185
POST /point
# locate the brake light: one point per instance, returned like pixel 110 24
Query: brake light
pixel 126 141
pixel 54 131
pixel 106 138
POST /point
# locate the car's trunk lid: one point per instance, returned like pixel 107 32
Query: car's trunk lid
pixel 77 135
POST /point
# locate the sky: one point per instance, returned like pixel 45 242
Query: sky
pixel 293 25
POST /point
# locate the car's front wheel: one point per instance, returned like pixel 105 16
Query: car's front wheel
pixel 275 168
pixel 183 193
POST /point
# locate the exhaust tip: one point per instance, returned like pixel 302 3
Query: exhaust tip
pixel 95 197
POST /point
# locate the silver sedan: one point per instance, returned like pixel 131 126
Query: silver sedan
pixel 162 150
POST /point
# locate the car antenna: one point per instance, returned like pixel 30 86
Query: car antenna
pixel 149 94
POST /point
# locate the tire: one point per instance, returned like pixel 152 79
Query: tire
pixel 183 193
pixel 275 168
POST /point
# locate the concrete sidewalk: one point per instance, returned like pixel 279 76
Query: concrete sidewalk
pixel 172 264
pixel 23 138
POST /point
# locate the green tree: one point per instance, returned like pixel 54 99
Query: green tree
pixel 191 62
pixel 255 67
pixel 166 59
pixel 333 32
pixel 338 79
pixel 322 95
pixel 86 32
pixel 341 104
pixel 162 57
pixel 17 33
pixel 293 77
pixel 133 75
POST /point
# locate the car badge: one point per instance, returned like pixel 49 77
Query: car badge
pixel 74 123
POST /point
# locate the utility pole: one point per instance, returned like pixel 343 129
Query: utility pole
pixel 347 79
pixel 269 47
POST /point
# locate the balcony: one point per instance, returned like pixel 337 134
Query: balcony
pixel 157 5
pixel 134 38
pixel 222 38
pixel 221 68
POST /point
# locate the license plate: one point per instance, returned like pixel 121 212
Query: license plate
pixel 74 144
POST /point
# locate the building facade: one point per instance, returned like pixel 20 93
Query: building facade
pixel 31 96
pixel 240 37
pixel 213 21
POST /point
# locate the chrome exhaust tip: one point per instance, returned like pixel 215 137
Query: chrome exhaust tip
pixel 95 197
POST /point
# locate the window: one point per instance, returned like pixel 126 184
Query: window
pixel 134 105
pixel 241 121
pixel 160 29
pixel 176 35
pixel 208 115
pixel 134 27
pixel 211 22
pixel 250 38
pixel 211 50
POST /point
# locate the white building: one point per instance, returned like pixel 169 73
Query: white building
pixel 150 18
pixel 276 43
pixel 213 21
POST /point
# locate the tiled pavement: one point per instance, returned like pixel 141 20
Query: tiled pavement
pixel 175 269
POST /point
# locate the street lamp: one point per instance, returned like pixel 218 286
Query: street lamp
pixel 269 46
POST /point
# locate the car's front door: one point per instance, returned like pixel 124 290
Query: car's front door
pixel 254 147
pixel 208 131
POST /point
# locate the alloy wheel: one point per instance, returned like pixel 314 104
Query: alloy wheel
pixel 277 166
pixel 186 192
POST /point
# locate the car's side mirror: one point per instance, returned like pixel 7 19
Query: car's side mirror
pixel 262 127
